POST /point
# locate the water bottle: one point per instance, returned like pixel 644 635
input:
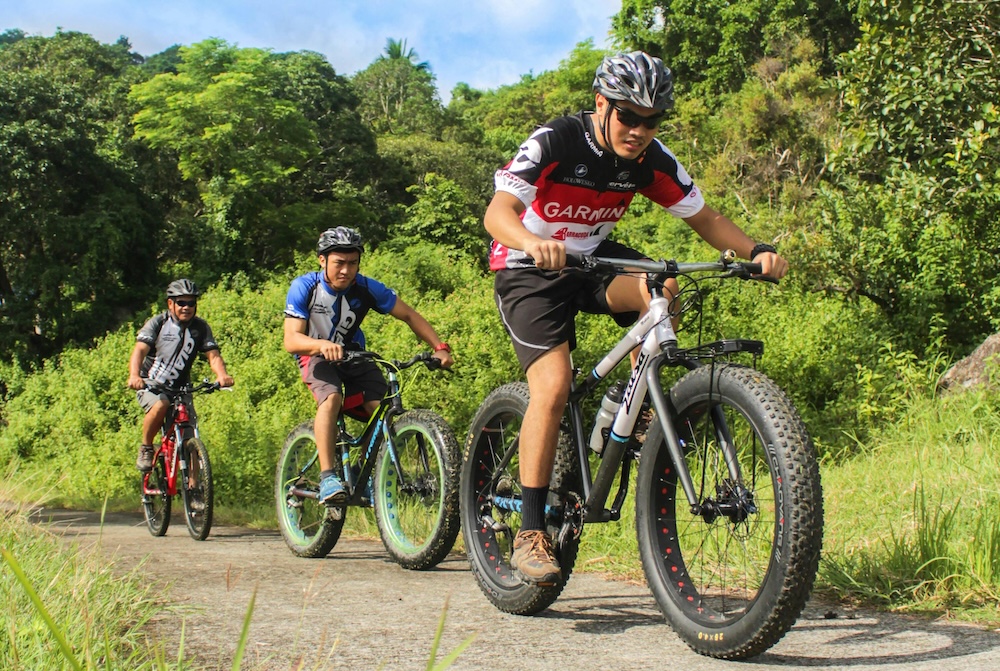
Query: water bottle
pixel 609 406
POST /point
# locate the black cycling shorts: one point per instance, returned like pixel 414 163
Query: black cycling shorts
pixel 538 307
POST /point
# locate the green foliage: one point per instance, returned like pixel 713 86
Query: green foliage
pixel 399 97
pixel 77 222
pixel 711 47
pixel 508 115
pixel 65 608
pixel 920 92
pixel 913 521
pixel 894 247
pixel 443 215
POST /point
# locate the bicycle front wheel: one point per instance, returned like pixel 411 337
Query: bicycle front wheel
pixel 491 503
pixel 156 497
pixel 199 498
pixel 310 529
pixel 732 575
pixel 416 504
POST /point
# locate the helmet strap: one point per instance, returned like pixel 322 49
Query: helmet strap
pixel 603 124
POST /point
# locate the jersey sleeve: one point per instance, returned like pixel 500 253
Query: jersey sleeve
pixel 384 298
pixel 672 186
pixel 297 302
pixel 208 343
pixel 150 330
pixel 534 158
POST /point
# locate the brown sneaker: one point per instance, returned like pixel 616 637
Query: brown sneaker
pixel 534 558
pixel 144 462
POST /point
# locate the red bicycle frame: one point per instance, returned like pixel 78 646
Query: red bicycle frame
pixel 173 432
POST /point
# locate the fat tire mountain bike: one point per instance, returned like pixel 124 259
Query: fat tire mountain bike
pixel 412 455
pixel 175 462
pixel 728 501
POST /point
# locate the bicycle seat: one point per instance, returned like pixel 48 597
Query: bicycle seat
pixel 354 406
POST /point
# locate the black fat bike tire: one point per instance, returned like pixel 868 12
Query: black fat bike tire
pixel 432 489
pixel 489 554
pixel 199 522
pixel 788 519
pixel 156 507
pixel 310 528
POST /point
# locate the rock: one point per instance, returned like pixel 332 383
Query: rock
pixel 975 369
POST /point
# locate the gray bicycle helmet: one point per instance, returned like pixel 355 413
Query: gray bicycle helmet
pixel 339 239
pixel 182 287
pixel 638 78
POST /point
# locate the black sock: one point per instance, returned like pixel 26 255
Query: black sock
pixel 533 508
pixel 324 474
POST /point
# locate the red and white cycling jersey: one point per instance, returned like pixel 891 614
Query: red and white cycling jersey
pixel 575 191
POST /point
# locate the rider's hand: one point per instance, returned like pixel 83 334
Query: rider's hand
pixel 548 254
pixel 771 264
pixel 136 382
pixel 444 356
pixel 225 380
pixel 331 351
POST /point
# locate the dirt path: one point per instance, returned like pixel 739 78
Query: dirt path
pixel 357 610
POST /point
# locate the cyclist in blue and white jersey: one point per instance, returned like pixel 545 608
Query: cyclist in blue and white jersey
pixel 323 315
pixel 564 191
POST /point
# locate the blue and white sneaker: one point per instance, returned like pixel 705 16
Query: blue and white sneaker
pixel 331 491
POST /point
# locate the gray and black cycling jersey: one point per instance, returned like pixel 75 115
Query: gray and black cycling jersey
pixel 173 348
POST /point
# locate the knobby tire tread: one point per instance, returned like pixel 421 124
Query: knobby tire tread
pixel 799 470
pixel 521 598
pixel 320 543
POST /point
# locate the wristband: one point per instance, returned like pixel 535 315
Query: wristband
pixel 760 248
pixel 442 346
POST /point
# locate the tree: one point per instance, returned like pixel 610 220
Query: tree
pixel 711 45
pixel 397 50
pixel 510 113
pixel 915 224
pixel 398 97
pixel 77 220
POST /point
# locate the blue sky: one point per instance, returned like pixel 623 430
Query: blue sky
pixel 483 43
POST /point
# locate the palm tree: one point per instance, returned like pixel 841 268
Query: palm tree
pixel 396 49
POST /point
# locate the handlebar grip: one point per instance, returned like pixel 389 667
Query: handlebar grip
pixel 575 260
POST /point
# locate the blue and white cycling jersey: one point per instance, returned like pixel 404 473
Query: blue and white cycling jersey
pixel 337 315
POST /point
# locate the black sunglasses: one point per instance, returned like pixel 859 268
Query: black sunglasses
pixel 629 118
pixel 185 304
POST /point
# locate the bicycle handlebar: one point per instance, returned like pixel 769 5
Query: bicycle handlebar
pixel 203 387
pixel 727 264
pixel 428 359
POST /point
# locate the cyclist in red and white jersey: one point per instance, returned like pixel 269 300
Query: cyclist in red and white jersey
pixel 564 191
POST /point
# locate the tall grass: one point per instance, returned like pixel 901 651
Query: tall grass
pixel 61 607
pixel 913 520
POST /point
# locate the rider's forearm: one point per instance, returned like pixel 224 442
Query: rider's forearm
pixel 719 231
pixel 300 343
pixel 503 222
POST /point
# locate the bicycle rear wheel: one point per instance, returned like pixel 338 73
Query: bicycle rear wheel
pixel 199 500
pixel 490 504
pixel 733 578
pixel 310 529
pixel 416 506
pixel 156 497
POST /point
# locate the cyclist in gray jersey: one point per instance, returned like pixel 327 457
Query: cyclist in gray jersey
pixel 161 360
